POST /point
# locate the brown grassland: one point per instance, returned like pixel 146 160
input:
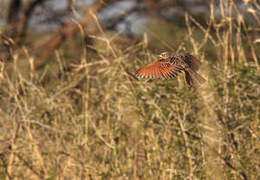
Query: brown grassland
pixel 83 116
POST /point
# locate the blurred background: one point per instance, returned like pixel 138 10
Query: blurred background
pixel 71 107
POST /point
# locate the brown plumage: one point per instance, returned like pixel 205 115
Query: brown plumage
pixel 169 65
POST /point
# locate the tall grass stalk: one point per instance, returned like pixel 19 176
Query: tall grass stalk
pixel 89 118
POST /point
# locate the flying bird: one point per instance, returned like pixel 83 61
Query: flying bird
pixel 170 65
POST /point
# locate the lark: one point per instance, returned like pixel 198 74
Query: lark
pixel 170 65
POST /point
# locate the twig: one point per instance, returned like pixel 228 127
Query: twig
pixel 29 166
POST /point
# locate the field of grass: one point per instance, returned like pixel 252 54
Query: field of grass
pixel 83 116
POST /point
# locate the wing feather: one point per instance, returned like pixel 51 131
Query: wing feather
pixel 159 69
pixel 192 61
pixel 157 74
pixel 166 72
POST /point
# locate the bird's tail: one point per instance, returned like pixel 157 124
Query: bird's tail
pixel 193 78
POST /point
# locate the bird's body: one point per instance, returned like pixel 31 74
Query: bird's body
pixel 169 65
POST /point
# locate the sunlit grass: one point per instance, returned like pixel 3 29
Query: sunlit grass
pixel 88 118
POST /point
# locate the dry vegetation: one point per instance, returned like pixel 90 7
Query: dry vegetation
pixel 85 117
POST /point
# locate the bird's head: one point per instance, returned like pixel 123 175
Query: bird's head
pixel 165 55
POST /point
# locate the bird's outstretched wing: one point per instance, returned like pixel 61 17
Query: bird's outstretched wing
pixel 159 69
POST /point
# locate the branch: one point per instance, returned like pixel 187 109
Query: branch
pixel 13 12
pixel 12 19
pixel 25 19
pixel 65 31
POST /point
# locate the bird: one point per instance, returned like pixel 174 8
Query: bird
pixel 170 65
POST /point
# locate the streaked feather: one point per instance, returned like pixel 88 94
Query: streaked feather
pixel 170 65
pixel 159 69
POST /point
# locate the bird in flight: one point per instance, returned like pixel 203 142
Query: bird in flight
pixel 170 65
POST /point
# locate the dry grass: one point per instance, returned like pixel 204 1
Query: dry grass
pixel 97 122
